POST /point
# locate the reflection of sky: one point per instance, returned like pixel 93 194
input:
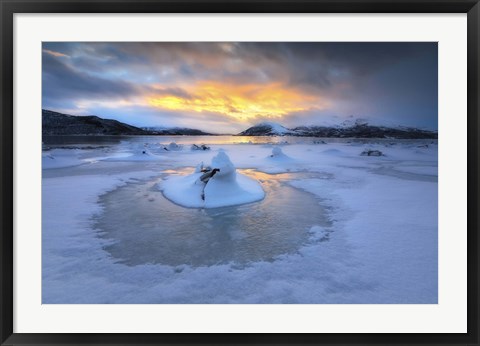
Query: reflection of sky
pixel 226 87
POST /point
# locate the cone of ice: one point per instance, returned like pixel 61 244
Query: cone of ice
pixel 218 185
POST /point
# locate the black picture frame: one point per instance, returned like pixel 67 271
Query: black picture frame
pixel 10 7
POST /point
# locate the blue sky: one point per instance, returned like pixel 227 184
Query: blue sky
pixel 225 87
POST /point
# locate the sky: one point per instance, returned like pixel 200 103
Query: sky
pixel 226 87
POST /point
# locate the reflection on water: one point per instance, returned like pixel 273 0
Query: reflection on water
pixel 81 140
pixel 55 141
pixel 147 228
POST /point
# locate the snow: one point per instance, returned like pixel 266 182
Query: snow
pixel 278 156
pixel 59 158
pixel 225 188
pixel 426 170
pixel 174 147
pixel 379 244
pixel 276 128
pixel 139 155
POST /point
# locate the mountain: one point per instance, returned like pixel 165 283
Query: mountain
pixel 175 131
pixel 354 129
pixel 364 130
pixel 267 129
pixel 54 123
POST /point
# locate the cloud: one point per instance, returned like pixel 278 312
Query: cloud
pixel 57 54
pixel 241 102
pixel 243 81
pixel 63 81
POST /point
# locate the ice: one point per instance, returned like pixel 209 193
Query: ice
pixel 174 147
pixel 426 170
pixel 166 233
pixel 377 244
pixel 140 155
pixel 60 158
pixel 225 188
pixel 277 153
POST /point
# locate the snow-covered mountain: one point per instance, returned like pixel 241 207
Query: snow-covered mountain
pixel 267 129
pixel 351 122
pixel 351 128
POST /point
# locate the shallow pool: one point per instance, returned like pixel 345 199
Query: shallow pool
pixel 145 227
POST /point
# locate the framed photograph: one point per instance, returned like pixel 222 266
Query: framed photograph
pixel 239 172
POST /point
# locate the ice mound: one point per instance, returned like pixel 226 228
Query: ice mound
pixel 173 147
pixel 211 187
pixel 277 154
pixel 277 151
pixel 333 152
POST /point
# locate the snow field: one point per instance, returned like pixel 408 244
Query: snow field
pixel 381 246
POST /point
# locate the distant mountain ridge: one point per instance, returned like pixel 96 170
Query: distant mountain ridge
pixel 174 131
pixel 267 129
pixel 55 123
pixel 355 129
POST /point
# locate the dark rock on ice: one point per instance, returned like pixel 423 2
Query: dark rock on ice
pixel 372 153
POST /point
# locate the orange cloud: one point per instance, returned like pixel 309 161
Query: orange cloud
pixel 54 53
pixel 242 102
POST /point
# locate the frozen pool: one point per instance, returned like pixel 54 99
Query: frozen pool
pixel 147 228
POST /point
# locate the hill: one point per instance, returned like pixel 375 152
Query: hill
pixel 54 123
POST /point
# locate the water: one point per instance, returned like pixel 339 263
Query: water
pixel 147 228
pixel 61 141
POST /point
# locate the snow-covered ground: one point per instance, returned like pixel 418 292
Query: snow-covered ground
pixel 367 232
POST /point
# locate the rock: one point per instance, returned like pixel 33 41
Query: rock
pixel 205 177
pixel 372 153
pixel 200 147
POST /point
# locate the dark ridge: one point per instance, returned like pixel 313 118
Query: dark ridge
pixel 176 131
pixel 54 124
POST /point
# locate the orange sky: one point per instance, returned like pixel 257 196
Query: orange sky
pixel 242 102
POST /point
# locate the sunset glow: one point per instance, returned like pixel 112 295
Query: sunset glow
pixel 229 86
pixel 242 102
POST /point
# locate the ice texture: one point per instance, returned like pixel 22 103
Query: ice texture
pixel 379 245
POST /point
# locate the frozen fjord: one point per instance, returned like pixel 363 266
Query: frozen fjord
pixel 376 241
